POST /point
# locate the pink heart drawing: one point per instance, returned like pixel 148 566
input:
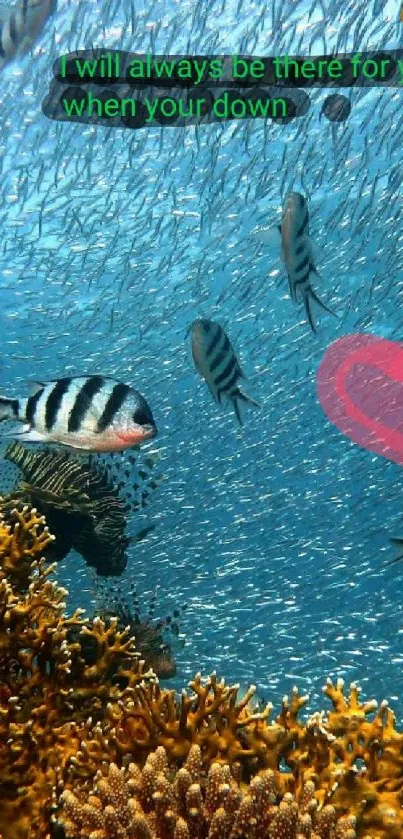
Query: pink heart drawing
pixel 360 388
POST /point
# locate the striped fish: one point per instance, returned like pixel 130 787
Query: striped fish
pixel 20 25
pixel 215 359
pixel 83 508
pixel 296 251
pixel 94 413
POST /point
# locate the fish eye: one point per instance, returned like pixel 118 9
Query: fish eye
pixel 143 416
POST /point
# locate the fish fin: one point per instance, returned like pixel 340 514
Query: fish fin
pixel 30 436
pixel 236 408
pixel 136 479
pixel 240 394
pixel 320 303
pixel 313 269
pixel 269 236
pixel 74 500
pixel 398 543
pixel 69 445
pixel 316 253
pixel 35 387
pixel 292 290
pixel 4 11
pixel 396 559
pixel 8 408
pixel 216 396
pixel 309 312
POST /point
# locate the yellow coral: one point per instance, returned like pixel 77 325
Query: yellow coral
pixel 206 765
pixel 23 538
pixel 47 691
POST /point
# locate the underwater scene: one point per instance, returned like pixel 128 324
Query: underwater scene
pixel 201 420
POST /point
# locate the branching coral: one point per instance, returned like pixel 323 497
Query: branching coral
pixel 210 717
pixel 156 803
pixel 23 538
pixel 351 760
pixel 47 691
pixel 203 766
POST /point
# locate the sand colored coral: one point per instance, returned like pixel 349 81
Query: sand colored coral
pixel 156 803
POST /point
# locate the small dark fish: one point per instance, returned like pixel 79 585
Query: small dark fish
pixel 297 255
pixel 399 545
pixel 142 534
pixel 95 413
pixel 215 359
pixel 20 25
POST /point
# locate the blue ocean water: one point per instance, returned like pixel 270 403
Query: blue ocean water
pixel 113 241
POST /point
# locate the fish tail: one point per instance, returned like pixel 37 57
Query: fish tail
pixel 308 311
pixel 243 397
pixel 236 409
pixel 321 303
pixel 9 408
pixel 308 296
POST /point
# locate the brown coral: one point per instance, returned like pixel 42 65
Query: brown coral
pixel 46 689
pixel 155 803
pixel 206 765
pixel 318 757
pixel 23 538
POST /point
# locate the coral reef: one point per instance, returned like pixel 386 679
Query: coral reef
pixel 24 537
pixel 47 691
pixel 155 803
pixel 101 751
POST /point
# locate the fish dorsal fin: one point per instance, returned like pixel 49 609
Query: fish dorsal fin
pixel 35 387
pixel 313 269
pixel 72 500
pixel 270 236
pixel 316 253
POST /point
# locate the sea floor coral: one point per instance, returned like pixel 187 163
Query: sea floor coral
pixel 158 803
pixel 104 750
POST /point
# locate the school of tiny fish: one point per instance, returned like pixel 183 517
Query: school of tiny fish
pixel 116 243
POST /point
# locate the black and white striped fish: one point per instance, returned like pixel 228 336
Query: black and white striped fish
pixel 296 251
pixel 20 25
pixel 215 359
pixel 95 413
